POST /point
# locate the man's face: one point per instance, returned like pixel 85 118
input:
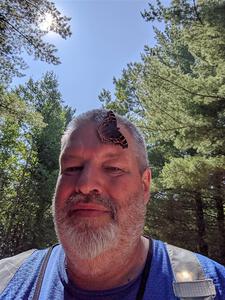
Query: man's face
pixel 100 196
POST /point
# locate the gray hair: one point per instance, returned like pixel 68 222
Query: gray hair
pixel 97 116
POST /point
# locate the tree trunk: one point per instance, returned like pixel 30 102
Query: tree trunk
pixel 200 223
pixel 219 201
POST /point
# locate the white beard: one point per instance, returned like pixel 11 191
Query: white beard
pixel 88 240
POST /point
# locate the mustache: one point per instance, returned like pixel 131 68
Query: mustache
pixel 75 198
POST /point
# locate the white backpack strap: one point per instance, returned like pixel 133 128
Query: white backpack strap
pixel 190 281
pixel 9 266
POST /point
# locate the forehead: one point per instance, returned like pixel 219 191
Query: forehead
pixel 86 138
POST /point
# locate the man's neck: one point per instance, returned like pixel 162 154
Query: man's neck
pixel 113 268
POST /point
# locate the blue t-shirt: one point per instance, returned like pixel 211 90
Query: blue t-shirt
pixel 56 284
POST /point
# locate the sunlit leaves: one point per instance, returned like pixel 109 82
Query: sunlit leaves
pixel 191 173
pixel 20 31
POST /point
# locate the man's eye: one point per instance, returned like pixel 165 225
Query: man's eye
pixel 114 169
pixel 73 169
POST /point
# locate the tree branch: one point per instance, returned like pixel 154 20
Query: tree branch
pixel 186 90
pixel 196 12
pixel 17 30
pixel 169 129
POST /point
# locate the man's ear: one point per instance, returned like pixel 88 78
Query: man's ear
pixel 146 182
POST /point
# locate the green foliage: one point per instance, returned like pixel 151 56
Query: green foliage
pixel 17 156
pixel 20 31
pixel 29 164
pixel 191 172
pixel 176 97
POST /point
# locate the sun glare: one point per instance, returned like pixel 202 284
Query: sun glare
pixel 47 22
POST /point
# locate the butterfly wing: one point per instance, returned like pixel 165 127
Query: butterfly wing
pixel 109 132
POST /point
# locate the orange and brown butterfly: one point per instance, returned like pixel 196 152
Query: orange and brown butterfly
pixel 109 132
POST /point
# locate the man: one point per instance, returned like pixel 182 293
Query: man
pixel 99 208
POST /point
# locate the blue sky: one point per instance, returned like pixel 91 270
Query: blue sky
pixel 106 35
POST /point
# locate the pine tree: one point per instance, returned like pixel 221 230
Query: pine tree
pixel 26 218
pixel 20 31
pixel 177 97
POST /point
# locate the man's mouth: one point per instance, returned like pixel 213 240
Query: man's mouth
pixel 89 210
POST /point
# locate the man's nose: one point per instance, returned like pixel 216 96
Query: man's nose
pixel 89 180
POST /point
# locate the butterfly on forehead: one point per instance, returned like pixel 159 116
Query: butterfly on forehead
pixel 109 132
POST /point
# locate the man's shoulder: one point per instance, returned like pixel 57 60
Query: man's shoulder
pixel 185 265
pixel 20 263
pixel 14 261
pixel 10 265
pixel 212 267
pixel 163 247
